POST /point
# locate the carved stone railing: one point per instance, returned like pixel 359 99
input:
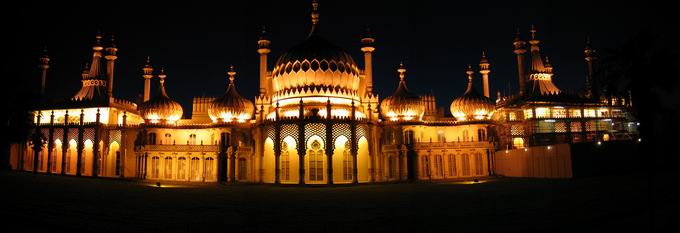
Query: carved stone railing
pixel 187 148
pixel 450 145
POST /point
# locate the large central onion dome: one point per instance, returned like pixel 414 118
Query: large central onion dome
pixel 231 106
pixel 161 109
pixel 472 105
pixel 315 68
pixel 402 105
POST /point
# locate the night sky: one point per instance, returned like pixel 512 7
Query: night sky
pixel 196 42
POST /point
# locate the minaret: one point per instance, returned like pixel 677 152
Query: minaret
pixel 367 47
pixel 484 70
pixel 110 58
pixel 315 17
pixel 520 51
pixel 469 73
pixel 591 85
pixel 263 50
pixel 148 74
pixel 44 65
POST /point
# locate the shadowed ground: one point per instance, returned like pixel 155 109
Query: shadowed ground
pixel 606 204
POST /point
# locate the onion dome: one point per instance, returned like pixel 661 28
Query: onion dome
pixel 94 82
pixel 402 105
pixel 472 105
pixel 231 106
pixel 161 109
pixel 315 67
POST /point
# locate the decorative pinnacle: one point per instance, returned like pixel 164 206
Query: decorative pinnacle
pixel 483 60
pixel 44 59
pixel 113 41
pixel 162 75
pixel 148 61
pixel 402 71
pixel 533 32
pixel 263 33
pixel 315 12
pixel 231 74
pixel 469 71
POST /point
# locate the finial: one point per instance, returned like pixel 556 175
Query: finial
pixel 402 71
pixel 113 41
pixel 483 60
pixel 45 51
pixel 367 32
pixel 547 61
pixel 231 74
pixel 148 61
pixel 98 37
pixel 315 12
pixel 87 67
pixel 533 32
pixel 263 33
pixel 469 71
pixel 162 75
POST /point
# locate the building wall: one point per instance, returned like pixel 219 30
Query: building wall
pixel 552 161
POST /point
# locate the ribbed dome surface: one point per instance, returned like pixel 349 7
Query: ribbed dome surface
pixel 472 105
pixel 231 106
pixel 402 105
pixel 161 109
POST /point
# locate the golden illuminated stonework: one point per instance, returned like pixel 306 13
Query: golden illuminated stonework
pixel 231 106
pixel 402 105
pixel 472 105
pixel 161 109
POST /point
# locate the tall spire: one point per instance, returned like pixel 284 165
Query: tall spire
pixel 315 17
pixel 148 75
pixel 110 58
pixel 520 51
pixel 367 47
pixel 484 70
pixel 231 74
pixel 162 77
pixel 591 83
pixel 263 49
pixel 540 75
pixel 469 73
pixel 44 65
pixel 402 71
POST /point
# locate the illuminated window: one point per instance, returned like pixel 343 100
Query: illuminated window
pixel 316 162
pixel 347 163
pixel 155 167
pixel 605 137
pixel 452 165
pixel 479 164
pixel 589 113
pixel 466 136
pixel 209 170
pixel 195 166
pixel 546 126
pixel 518 143
pixel 516 130
pixel 575 126
pixel 560 127
pixel 591 126
pixel 574 113
pixel 512 116
pixel 542 112
pixel 528 114
pixel 192 139
pixel 438 169
pixel 426 166
pixel 285 162
pixel 181 168
pixel 481 135
pixel 168 139
pixel 603 112
pixel 168 167
pixel 466 164
pixel 440 136
pixel 559 113
pixel 409 137
pixel 68 161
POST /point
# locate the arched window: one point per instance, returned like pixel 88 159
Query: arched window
pixel 285 162
pixel 438 165
pixel 181 168
pixel 192 139
pixel 195 166
pixel 155 167
pixel 168 167
pixel 466 136
pixel 168 139
pixel 440 136
pixel 151 139
pixel 479 164
pixel 315 162
pixel 209 171
pixel 452 165
pixel 347 162
pixel 466 164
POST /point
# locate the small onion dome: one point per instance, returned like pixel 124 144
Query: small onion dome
pixel 472 105
pixel 402 105
pixel 161 109
pixel 231 106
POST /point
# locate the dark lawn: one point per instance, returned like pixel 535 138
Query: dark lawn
pixel 606 204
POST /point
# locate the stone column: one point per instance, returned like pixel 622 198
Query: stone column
pixel 354 151
pixel 302 152
pixel 50 144
pixel 81 145
pixel 64 145
pixel 277 152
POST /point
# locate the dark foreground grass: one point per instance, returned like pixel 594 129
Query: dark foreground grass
pixel 604 204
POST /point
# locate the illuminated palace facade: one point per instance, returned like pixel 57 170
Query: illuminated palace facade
pixel 316 120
